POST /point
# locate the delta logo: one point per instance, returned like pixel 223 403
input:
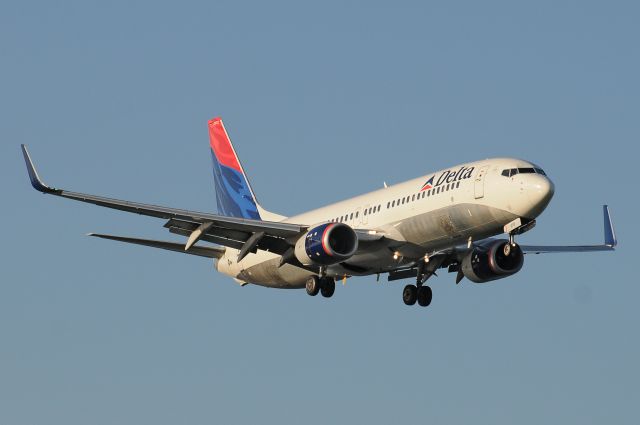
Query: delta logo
pixel 428 184
pixel 448 176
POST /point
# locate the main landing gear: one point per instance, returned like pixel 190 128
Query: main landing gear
pixel 324 285
pixel 418 292
pixel 421 294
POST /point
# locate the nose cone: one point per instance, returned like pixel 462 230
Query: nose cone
pixel 540 190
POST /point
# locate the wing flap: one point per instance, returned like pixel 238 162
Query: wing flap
pixel 201 251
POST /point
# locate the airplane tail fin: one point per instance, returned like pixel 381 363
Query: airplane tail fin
pixel 234 194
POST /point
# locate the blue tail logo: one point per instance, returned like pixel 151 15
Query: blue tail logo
pixel 233 192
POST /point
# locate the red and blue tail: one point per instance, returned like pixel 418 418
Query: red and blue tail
pixel 233 192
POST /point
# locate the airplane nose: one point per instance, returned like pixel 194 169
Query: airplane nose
pixel 540 190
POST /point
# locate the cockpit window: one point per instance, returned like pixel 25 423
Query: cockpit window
pixel 540 171
pixel 513 171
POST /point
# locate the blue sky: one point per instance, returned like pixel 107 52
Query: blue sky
pixel 323 101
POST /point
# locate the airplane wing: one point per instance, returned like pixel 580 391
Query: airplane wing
pixel 610 241
pixel 233 232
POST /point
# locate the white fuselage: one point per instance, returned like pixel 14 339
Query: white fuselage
pixel 433 212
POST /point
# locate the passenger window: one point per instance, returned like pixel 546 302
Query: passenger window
pixel 357 213
pixel 388 205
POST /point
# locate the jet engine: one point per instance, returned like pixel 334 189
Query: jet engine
pixel 488 261
pixel 326 244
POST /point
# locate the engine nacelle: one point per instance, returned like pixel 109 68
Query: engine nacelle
pixel 327 244
pixel 488 262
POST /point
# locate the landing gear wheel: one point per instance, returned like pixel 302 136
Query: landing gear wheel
pixel 424 296
pixel 312 285
pixel 327 286
pixel 410 294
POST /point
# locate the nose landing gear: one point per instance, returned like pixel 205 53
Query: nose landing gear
pixel 516 227
pixel 507 247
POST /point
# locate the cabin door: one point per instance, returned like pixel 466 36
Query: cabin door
pixel 479 183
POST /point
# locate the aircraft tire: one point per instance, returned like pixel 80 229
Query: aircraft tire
pixel 327 286
pixel 424 296
pixel 410 294
pixel 312 285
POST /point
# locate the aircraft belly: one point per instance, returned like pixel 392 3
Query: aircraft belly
pixel 269 274
pixel 453 225
pixel 433 230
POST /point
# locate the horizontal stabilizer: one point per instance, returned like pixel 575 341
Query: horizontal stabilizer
pixel 202 251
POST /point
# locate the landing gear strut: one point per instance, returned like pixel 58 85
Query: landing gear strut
pixel 512 243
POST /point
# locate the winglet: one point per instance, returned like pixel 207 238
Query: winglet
pixel 609 234
pixel 33 174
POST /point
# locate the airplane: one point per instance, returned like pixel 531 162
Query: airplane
pixel 448 219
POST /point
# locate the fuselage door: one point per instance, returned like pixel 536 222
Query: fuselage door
pixel 479 183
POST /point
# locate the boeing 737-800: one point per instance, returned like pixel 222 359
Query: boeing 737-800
pixel 445 219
